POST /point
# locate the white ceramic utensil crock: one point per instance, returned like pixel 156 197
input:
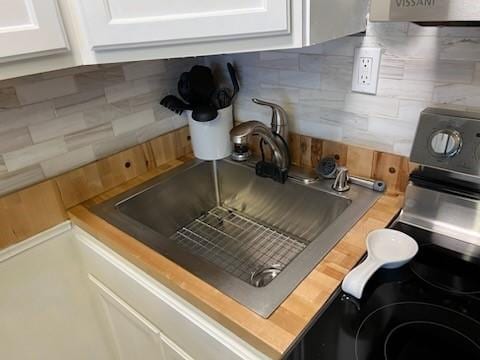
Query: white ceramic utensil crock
pixel 211 139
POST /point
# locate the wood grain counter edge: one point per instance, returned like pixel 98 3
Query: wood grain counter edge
pixel 273 336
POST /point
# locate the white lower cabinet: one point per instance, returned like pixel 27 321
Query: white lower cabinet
pixel 46 311
pixel 172 351
pixel 133 336
pixel 146 320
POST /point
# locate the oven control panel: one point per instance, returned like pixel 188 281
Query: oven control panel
pixel 448 139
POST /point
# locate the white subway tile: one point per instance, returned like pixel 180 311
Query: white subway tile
pixel 26 115
pixel 142 69
pixel 460 49
pixel 371 105
pixel 3 167
pixel 322 98
pixel 413 47
pixel 245 110
pixel 461 94
pixel 326 115
pixel 419 30
pixel 127 90
pixel 406 89
pixel 89 136
pixel 133 122
pixel 8 98
pixel 115 144
pixel 18 179
pixel 343 46
pixel 246 59
pixel 380 142
pixel 439 71
pixel 335 71
pixel 278 60
pixel 45 90
pixel 299 79
pixel 387 29
pixel 459 31
pixel 409 110
pixel 70 160
pixel 14 139
pixel 392 67
pixel 326 63
pixel 57 127
pixel 317 129
pixel 156 129
pixel 69 71
pixel 34 154
pixel 403 148
pixel 281 94
pixel 476 74
pixel 179 121
pixel 81 101
pixel 253 76
pixel 393 128
pixel 104 77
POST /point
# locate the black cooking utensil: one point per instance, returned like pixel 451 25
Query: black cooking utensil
pixel 173 103
pixel 184 87
pixel 233 77
pixel 221 98
pixel 204 113
pixel 202 84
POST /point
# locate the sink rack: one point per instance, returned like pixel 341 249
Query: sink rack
pixel 237 244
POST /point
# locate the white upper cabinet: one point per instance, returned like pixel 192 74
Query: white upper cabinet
pixel 125 30
pixel 108 31
pixel 120 24
pixel 30 28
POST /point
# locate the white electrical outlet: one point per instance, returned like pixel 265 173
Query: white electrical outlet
pixel 366 68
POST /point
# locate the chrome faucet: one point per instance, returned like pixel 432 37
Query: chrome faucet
pixel 275 137
pixel 279 122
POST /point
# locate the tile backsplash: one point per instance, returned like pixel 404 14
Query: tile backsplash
pixel 57 121
pixel 421 67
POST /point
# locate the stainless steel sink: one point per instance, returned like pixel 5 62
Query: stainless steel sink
pixel 251 238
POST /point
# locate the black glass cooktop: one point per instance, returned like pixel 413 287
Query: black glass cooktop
pixel 427 309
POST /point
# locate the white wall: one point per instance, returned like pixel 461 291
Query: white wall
pixel 46 310
pixel 420 67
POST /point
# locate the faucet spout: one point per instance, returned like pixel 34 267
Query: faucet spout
pixel 241 133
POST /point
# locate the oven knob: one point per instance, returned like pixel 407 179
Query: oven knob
pixel 446 143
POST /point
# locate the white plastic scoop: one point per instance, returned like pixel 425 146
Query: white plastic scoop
pixel 386 248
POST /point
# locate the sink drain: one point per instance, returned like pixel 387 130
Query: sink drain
pixel 263 277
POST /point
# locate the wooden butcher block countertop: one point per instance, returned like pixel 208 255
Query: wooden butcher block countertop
pixel 273 336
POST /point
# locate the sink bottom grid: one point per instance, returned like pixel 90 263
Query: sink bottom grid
pixel 236 243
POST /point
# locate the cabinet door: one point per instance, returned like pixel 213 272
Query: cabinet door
pixel 134 337
pixel 30 28
pixel 117 24
pixel 172 351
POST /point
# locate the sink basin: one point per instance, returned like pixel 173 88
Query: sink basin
pixel 251 238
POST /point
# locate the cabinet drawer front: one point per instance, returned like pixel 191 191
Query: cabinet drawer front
pixel 193 332
pixel 30 28
pixel 117 24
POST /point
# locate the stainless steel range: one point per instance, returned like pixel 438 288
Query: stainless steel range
pixel 429 308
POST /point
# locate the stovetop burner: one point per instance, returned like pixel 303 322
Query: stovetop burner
pixel 417 331
pixel 446 270
pixel 428 309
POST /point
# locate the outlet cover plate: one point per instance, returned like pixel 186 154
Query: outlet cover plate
pixel 366 70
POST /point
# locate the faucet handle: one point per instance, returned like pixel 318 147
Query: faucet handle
pixel 341 181
pixel 279 117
